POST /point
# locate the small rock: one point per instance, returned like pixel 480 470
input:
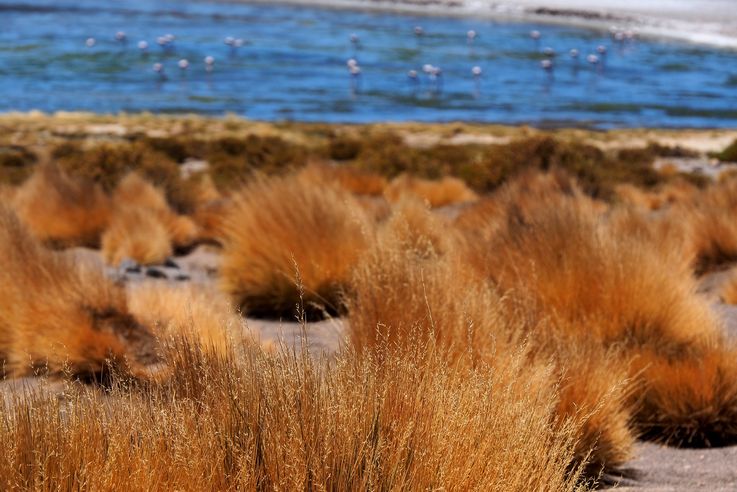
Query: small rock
pixel 169 263
pixel 155 273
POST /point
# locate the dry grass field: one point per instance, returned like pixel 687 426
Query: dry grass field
pixel 520 307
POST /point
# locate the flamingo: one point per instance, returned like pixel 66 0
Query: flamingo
pixel 419 31
pixel 143 45
pixel 549 52
pixel 120 37
pixel 470 36
pixel 547 65
pixel 183 64
pixel 574 53
pixel 476 72
pixel 209 63
pixel 159 69
pixel 90 42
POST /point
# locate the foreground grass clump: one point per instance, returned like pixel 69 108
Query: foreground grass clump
pixel 411 422
pixel 624 292
pixel 406 290
pixel 59 317
pixel 282 227
pixel 713 228
pixel 62 210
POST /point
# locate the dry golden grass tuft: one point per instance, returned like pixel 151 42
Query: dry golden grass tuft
pixel 198 313
pixel 60 317
pixel 415 227
pixel 357 181
pixel 134 191
pixel 714 230
pixel 7 193
pixel 62 210
pixel 439 193
pixel 595 390
pixel 637 197
pixel 288 422
pixel 209 218
pixel 690 401
pixel 626 293
pixel 136 234
pixel 675 191
pixel 278 226
pixel 728 292
pixel 517 202
pixel 404 291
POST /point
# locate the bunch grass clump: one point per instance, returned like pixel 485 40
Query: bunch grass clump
pixel 281 228
pixel 62 210
pixel 625 293
pixel 58 317
pixel 439 193
pixel 291 422
pixel 407 289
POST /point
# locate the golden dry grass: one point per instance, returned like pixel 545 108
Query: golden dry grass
pixel 138 235
pixel 278 226
pixel 623 292
pixel 209 219
pixel 711 217
pixel 198 313
pixel 438 193
pixel 406 290
pixel 357 181
pixel 134 191
pixel 728 292
pixel 286 422
pixel 59 317
pixel 62 210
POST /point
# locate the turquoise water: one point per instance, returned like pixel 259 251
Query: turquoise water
pixel 292 66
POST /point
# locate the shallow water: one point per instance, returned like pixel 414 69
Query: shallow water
pixel 293 67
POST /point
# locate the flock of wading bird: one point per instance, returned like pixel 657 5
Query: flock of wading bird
pixel 542 328
pixel 597 58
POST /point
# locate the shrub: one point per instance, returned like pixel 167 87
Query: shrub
pixel 136 234
pixel 276 226
pixel 289 422
pixel 626 293
pixel 58 317
pixel 405 290
pixel 62 210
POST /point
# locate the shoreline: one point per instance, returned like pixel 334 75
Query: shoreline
pixel 692 25
pixel 20 127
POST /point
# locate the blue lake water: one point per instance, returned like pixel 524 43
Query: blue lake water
pixel 292 66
